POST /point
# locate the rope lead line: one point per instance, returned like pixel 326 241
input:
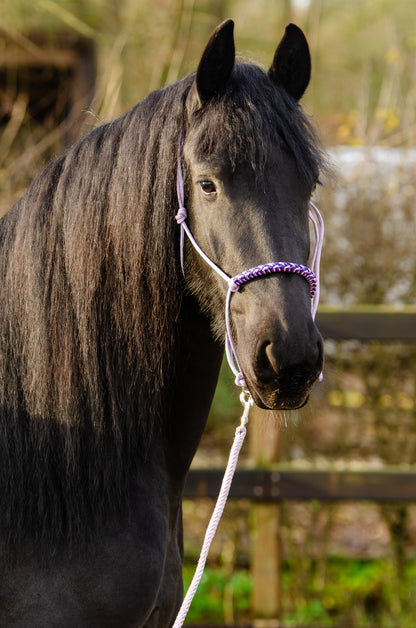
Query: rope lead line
pixel 240 433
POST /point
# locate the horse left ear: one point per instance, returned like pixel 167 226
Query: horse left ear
pixel 216 63
pixel 291 65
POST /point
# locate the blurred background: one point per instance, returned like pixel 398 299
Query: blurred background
pixel 66 66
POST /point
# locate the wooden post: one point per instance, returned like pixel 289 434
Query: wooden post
pixel 266 554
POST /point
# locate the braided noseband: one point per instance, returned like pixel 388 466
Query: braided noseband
pixel 234 283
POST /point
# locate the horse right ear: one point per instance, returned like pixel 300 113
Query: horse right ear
pixel 291 65
pixel 216 64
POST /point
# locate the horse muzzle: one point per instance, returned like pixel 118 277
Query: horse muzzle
pixel 281 372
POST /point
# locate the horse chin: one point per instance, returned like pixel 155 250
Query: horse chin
pixel 275 400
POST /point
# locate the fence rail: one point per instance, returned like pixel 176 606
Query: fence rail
pixel 273 486
pixel 366 323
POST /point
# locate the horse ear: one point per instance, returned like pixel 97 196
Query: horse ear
pixel 216 63
pixel 291 65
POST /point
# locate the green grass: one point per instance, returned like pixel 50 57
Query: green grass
pixel 212 600
pixel 354 593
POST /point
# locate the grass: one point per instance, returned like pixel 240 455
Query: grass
pixel 354 593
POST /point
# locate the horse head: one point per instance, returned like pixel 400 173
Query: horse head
pixel 250 165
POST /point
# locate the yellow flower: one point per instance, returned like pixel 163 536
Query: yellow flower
pixel 389 119
pixel 345 398
pixel 343 132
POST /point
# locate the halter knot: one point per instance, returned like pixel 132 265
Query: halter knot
pixel 181 216
pixel 239 380
pixel 232 285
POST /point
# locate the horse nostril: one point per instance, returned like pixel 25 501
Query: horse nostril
pixel 266 365
pixel 275 362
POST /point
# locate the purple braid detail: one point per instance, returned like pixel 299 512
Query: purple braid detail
pixel 274 267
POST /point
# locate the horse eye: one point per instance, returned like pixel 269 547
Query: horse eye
pixel 208 187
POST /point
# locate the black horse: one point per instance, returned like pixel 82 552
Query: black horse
pixel 109 355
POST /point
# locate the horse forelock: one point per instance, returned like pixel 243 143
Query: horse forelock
pixel 252 119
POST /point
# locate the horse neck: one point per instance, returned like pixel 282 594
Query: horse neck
pixel 198 365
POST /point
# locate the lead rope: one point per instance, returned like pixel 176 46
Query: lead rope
pixel 234 283
pixel 240 434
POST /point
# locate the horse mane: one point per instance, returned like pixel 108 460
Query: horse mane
pixel 89 273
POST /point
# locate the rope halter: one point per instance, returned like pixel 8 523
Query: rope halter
pixel 234 283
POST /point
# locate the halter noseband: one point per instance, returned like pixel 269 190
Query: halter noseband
pixel 234 283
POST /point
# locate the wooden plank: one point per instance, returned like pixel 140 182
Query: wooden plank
pixel 265 565
pixel 368 323
pixel 260 485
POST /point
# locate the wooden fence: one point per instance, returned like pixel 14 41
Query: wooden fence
pixel 266 488
pixel 365 323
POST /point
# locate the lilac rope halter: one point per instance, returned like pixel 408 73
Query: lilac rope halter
pixel 234 283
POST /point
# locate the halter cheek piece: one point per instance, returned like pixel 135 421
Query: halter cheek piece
pixel 234 283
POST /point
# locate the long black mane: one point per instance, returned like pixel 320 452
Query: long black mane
pixel 91 298
pixel 89 273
